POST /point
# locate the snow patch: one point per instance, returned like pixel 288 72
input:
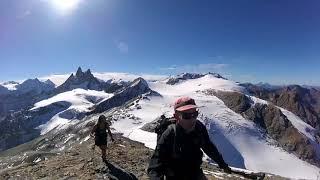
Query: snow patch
pixel 85 139
pixel 194 85
pixel 37 160
pixel 258 100
pixel 299 124
pixel 55 122
pixel 10 86
pixel 121 145
pixel 68 138
pixel 77 97
pixel 56 79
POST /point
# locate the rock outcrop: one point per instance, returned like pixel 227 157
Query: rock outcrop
pixel 136 88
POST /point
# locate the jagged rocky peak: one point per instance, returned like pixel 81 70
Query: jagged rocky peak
pixel 139 82
pixel 36 80
pixel 135 89
pixel 79 72
pixel 84 75
pixel 138 86
pixel 49 82
pixel 84 80
pixel 88 71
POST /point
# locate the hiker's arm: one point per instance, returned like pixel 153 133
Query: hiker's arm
pixel 211 150
pixel 159 159
pixel 109 131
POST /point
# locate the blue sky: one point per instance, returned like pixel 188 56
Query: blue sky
pixel 245 40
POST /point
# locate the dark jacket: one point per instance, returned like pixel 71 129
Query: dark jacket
pixel 178 154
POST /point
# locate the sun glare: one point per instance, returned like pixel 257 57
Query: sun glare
pixel 65 6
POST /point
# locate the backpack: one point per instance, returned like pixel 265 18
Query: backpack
pixel 163 125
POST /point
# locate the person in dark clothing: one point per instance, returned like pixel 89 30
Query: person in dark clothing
pixel 178 154
pixel 99 131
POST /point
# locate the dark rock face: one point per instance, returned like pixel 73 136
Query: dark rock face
pixel 275 123
pixel 186 76
pixel 26 94
pixel 138 87
pixel 84 80
pixel 19 127
pixel 280 128
pixel 3 90
pixel 34 85
pixel 303 102
pixel 236 101
pixel 13 102
pixel 50 83
pixel 113 87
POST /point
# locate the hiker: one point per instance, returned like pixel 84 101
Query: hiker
pixel 101 136
pixel 178 154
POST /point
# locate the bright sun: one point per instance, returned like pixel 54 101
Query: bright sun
pixel 65 6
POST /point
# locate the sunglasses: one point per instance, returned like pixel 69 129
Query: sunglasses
pixel 190 115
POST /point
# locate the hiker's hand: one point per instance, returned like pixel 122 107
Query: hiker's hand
pixel 227 170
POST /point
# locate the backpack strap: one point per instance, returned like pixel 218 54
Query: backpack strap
pixel 174 145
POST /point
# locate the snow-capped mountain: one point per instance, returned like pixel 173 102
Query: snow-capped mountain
pixel 186 76
pixel 20 96
pixel 10 85
pixel 251 133
pixel 109 77
pixel 34 85
pixel 58 111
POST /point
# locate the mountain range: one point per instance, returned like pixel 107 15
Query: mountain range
pixel 258 127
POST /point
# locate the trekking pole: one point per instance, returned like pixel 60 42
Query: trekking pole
pixel 252 175
pixel 93 146
pixel 249 175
